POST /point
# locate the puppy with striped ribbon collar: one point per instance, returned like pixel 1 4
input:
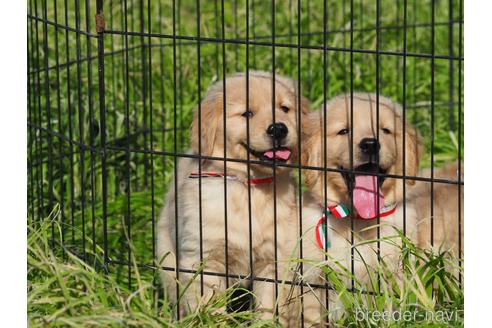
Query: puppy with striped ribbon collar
pixel 361 141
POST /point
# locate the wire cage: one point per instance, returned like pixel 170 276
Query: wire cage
pixel 112 85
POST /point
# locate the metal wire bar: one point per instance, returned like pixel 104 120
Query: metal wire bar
pixel 80 111
pixel 325 144
pixel 291 36
pixel 286 45
pixel 378 90
pixel 162 90
pixel 113 72
pixel 259 37
pixel 239 277
pixel 278 36
pixel 248 159
pixel 102 117
pixel 304 167
pixel 274 169
pixel 34 163
pixel 48 118
pixel 180 78
pixel 253 30
pixel 70 130
pixel 414 39
pixel 351 142
pixel 151 126
pixel 128 232
pixel 145 81
pixel 432 86
pixel 30 95
pixel 199 87
pixel 59 114
pixel 133 92
pixel 36 115
pixel 177 252
pixel 361 38
pixel 299 148
pixel 39 141
pixel 216 21
pixel 404 118
pixel 460 172
pixel 61 26
pixel 224 136
pixel 451 71
pixel 90 148
pixel 236 34
pixel 309 81
pixel 92 124
pixel 213 158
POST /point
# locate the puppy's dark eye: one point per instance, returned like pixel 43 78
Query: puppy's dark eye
pixel 386 131
pixel 247 113
pixel 342 132
pixel 285 109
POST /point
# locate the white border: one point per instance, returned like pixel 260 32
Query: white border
pixel 13 235
pixel 478 129
pixel 478 104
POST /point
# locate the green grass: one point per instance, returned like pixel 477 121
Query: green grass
pixel 74 178
pixel 64 290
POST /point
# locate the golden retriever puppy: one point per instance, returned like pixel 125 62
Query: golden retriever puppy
pixel 237 210
pixel 394 150
pixel 368 193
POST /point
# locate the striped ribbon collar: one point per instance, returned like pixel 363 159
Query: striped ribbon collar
pixel 208 174
pixel 341 211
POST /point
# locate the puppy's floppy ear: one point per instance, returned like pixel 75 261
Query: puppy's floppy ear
pixel 210 113
pixel 413 152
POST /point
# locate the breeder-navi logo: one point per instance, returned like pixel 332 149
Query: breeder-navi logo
pixel 441 316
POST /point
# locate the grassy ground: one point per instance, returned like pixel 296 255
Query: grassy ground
pixel 64 290
pixel 148 106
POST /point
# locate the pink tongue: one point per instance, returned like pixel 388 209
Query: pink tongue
pixel 282 154
pixel 365 201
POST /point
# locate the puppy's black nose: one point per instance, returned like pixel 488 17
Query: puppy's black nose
pixel 277 131
pixel 369 146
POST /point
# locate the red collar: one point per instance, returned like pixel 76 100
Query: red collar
pixel 207 174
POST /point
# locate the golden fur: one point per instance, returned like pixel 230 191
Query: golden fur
pixel 447 214
pixel 391 159
pixel 210 138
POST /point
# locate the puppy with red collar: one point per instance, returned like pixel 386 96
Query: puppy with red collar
pixel 221 215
